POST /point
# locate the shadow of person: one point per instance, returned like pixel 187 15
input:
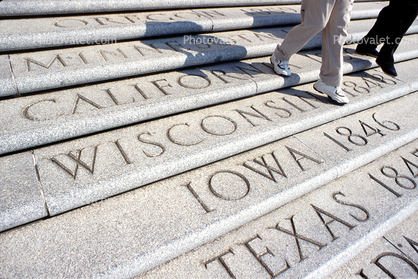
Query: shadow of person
pixel 273 16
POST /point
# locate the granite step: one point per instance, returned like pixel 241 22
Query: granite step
pixel 356 216
pixel 96 167
pixel 139 158
pixel 393 255
pixel 244 203
pixel 34 33
pixel 23 73
pixel 10 8
pixel 58 115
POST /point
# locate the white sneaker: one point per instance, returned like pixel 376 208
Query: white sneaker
pixel 334 93
pixel 281 67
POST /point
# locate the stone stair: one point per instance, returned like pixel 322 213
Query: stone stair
pixel 176 151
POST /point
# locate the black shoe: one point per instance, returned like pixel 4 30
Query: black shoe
pixel 387 67
pixel 361 49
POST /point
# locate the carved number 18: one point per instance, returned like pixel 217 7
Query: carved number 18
pixel 368 131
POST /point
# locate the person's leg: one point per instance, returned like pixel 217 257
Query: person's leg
pixel 404 12
pixel 315 15
pixel 377 33
pixel 333 39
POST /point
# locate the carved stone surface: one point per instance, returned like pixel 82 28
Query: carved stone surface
pixel 6 78
pixel 47 7
pixel 143 228
pixel 46 118
pixel 31 33
pixel 127 148
pixel 394 254
pixel 103 165
pixel 21 199
pixel 315 234
pixel 53 69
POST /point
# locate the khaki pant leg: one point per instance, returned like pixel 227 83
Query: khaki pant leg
pixel 315 15
pixel 333 39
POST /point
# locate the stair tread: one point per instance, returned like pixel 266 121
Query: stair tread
pixel 137 230
pixel 31 33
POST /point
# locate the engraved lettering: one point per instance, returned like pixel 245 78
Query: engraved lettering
pixel 104 54
pixel 361 274
pixel 153 143
pixel 398 178
pixel 151 48
pixel 390 254
pixel 77 101
pixel 122 152
pixel 176 46
pixel 270 169
pixel 261 36
pixel 173 140
pixel 413 243
pixel 187 14
pixel 46 66
pixel 350 136
pixel 162 86
pixel 385 123
pixel 298 237
pixel 271 104
pixel 205 127
pixel 221 74
pixel 306 101
pixel 78 162
pixel 369 130
pixel 256 12
pixel 337 142
pixel 293 105
pixel 25 111
pixel 101 20
pixel 250 70
pixel 198 198
pixel 356 88
pixel 384 80
pixel 83 58
pixel 139 90
pixel 385 186
pixel 258 115
pixel 153 17
pixel 217 179
pixel 412 167
pixel 184 82
pixel 115 100
pixel 132 20
pixel 71 23
pixel 222 262
pixel 243 36
pixel 212 13
pixel 366 213
pixel 259 257
pixel 322 212
pixel 301 157
pixel 370 83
